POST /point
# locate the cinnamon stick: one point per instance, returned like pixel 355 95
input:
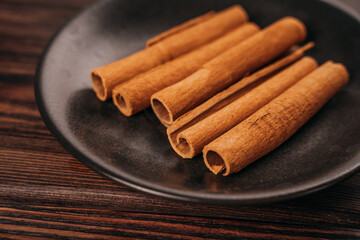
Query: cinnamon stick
pixel 173 101
pixel 179 28
pixel 134 95
pixel 163 49
pixel 189 140
pixel 274 123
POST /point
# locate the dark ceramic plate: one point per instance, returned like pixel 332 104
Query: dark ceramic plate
pixel 135 151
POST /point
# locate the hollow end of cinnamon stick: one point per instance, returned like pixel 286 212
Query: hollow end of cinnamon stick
pixel 162 112
pixel 99 86
pixel 121 102
pixel 215 162
pixel 181 145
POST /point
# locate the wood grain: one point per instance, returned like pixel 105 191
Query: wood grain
pixel 46 193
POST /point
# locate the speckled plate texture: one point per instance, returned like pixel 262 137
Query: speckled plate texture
pixel 135 151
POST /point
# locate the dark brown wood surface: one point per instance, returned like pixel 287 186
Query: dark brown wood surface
pixel 46 193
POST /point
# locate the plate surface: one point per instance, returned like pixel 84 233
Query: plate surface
pixel 135 151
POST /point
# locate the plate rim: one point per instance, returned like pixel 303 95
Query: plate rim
pixel 167 192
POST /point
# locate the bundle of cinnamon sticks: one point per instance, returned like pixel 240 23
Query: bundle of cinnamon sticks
pixel 223 86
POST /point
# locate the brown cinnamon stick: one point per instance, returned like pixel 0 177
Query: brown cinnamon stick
pixel 174 44
pixel 173 101
pixel 134 95
pixel 189 140
pixel 274 123
pixel 179 28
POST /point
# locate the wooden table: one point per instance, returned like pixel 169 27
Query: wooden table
pixel 46 193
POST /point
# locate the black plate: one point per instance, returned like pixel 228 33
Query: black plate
pixel 135 151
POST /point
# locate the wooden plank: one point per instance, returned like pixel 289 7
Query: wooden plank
pixel 105 224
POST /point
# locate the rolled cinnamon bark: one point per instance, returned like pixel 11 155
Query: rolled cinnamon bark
pixel 164 48
pixel 189 140
pixel 134 95
pixel 173 101
pixel 179 28
pixel 274 123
